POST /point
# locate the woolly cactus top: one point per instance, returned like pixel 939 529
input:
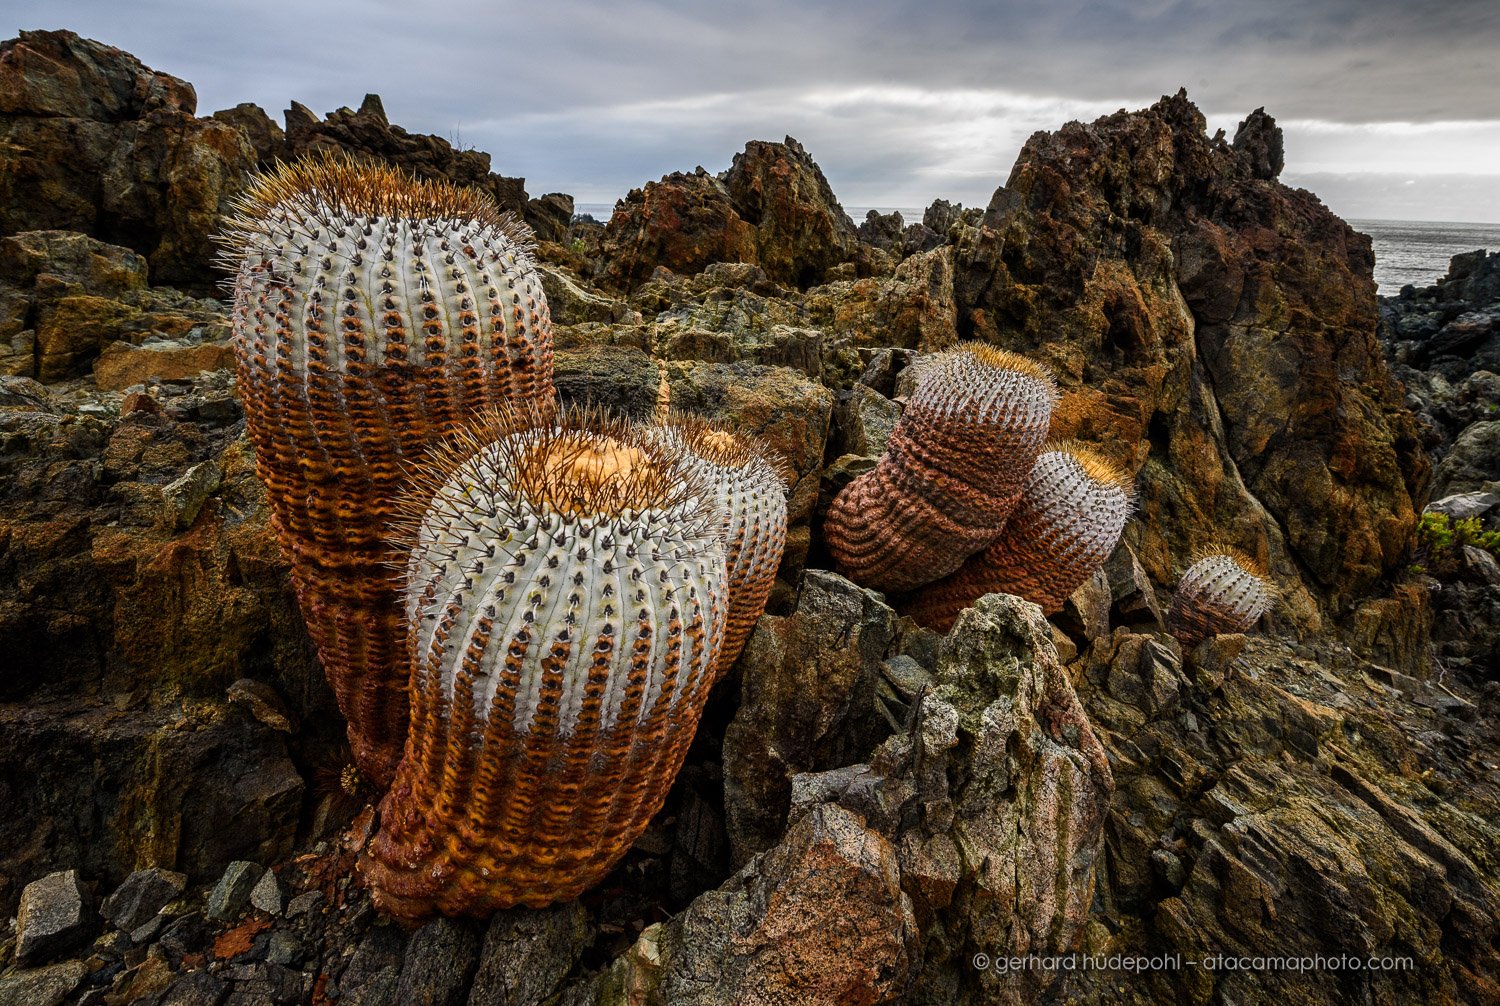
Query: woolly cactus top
pixel 1090 496
pixel 978 380
pixel 564 542
pixel 385 267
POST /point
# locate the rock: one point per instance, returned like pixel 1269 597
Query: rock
pixel 264 703
pixel 144 894
pixel 1472 464
pixel 231 895
pixel 1192 353
pixel 52 918
pixel 303 903
pixel 683 223
pixel 439 964
pixel 261 131
pixel 570 302
pixel 183 498
pixel 23 391
pixel 1462 506
pixel 863 421
pixel 883 230
pixel 123 365
pixel 527 954
pixel 47 986
pixel 373 975
pixel 200 988
pixel 801 231
pixel 366 132
pixel 99 143
pixel 819 919
pixel 550 216
pixel 1259 144
pixel 913 308
pixel 807 702
pixel 267 895
pixel 1133 599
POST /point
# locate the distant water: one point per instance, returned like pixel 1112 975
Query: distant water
pixel 1406 251
pixel 1417 251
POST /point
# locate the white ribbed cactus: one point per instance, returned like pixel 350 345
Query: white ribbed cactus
pixel 566 598
pixel 1224 591
pixel 750 486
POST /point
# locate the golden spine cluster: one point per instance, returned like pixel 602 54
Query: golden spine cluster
pixel 372 313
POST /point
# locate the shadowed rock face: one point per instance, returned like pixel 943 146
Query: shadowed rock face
pixel 1214 331
pixel 94 141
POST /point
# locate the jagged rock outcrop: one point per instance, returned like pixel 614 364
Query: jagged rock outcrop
pixel 92 140
pixel 1214 331
pixel 772 208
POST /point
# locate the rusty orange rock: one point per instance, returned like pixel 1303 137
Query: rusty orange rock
pixel 953 469
pixel 565 600
pixel 372 313
pixel 1065 526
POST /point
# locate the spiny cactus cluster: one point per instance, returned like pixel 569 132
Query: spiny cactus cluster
pixel 952 471
pixel 1065 525
pixel 372 314
pixel 1223 591
pixel 570 580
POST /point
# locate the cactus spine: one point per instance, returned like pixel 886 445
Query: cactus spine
pixel 953 469
pixel 1067 522
pixel 372 313
pixel 750 487
pixel 565 596
pixel 1223 591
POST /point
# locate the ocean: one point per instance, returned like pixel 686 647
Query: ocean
pixel 1417 251
pixel 1406 251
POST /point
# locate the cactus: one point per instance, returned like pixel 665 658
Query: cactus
pixel 565 597
pixel 750 486
pixel 952 471
pixel 1223 591
pixel 1066 524
pixel 372 313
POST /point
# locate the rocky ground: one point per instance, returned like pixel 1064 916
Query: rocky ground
pixel 867 805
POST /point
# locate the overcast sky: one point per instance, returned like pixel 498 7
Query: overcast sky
pixel 1391 108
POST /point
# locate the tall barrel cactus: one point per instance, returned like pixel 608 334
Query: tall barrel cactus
pixel 372 313
pixel 1064 527
pixel 953 469
pixel 1223 591
pixel 565 597
pixel 749 484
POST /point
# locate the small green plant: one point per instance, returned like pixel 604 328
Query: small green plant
pixel 1440 541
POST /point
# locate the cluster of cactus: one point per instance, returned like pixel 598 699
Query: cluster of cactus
pixel 572 584
pixel 969 498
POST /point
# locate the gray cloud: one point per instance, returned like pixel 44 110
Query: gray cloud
pixel 900 102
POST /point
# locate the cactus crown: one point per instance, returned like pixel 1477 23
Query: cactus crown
pixel 1224 590
pixel 719 446
pixel 981 380
pixel 302 200
pixel 1089 462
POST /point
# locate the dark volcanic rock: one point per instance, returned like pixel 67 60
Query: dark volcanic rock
pixel 801 231
pixel 1198 316
pixel 367 132
pixel 683 223
pixel 52 919
pixel 92 140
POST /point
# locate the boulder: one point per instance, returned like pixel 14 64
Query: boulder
pixel 801 231
pixel 682 223
pixel 144 893
pixel 95 141
pixel 53 918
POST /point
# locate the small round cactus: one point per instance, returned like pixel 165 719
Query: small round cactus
pixel 953 469
pixel 1223 591
pixel 565 597
pixel 1067 522
pixel 372 313
pixel 750 487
